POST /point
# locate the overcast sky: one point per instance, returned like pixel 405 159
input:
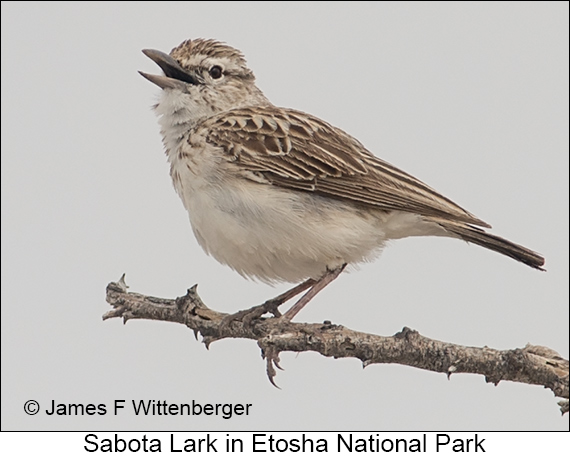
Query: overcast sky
pixel 472 98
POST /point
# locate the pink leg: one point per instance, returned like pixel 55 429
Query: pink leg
pixel 270 306
pixel 323 281
pixel 287 295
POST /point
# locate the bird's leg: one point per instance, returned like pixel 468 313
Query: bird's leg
pixel 273 304
pixel 270 306
pixel 319 285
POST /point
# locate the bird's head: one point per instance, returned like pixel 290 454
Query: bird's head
pixel 206 77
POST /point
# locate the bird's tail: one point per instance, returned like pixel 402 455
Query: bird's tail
pixel 478 236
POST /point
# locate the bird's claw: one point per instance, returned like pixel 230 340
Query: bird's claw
pixel 247 316
pixel 271 357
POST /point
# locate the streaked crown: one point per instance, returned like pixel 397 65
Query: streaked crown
pixel 201 54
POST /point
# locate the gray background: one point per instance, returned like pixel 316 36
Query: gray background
pixel 471 98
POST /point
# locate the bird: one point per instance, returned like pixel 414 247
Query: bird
pixel 280 195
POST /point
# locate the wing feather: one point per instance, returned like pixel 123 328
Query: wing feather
pixel 298 151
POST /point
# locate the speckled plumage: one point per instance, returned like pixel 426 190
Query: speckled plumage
pixel 278 194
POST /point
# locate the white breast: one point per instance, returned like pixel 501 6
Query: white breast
pixel 263 231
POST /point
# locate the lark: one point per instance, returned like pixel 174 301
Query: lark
pixel 280 195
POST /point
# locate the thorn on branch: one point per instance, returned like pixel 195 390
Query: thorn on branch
pixel 531 365
pixel 407 333
pixel 564 406
pixel 115 312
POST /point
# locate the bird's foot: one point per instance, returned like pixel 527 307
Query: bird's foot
pixel 271 357
pixel 247 316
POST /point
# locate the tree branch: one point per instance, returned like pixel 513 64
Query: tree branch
pixel 530 365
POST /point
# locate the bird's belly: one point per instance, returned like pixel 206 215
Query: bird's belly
pixel 272 234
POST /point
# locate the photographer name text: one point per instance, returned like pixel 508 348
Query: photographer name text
pixel 149 408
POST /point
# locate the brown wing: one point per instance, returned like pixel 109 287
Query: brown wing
pixel 298 151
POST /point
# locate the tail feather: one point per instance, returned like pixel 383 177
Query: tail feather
pixel 495 243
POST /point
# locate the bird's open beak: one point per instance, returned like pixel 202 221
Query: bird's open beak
pixel 175 76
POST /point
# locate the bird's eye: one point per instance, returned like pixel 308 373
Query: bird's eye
pixel 216 72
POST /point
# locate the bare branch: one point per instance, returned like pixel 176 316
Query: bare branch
pixel 530 365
